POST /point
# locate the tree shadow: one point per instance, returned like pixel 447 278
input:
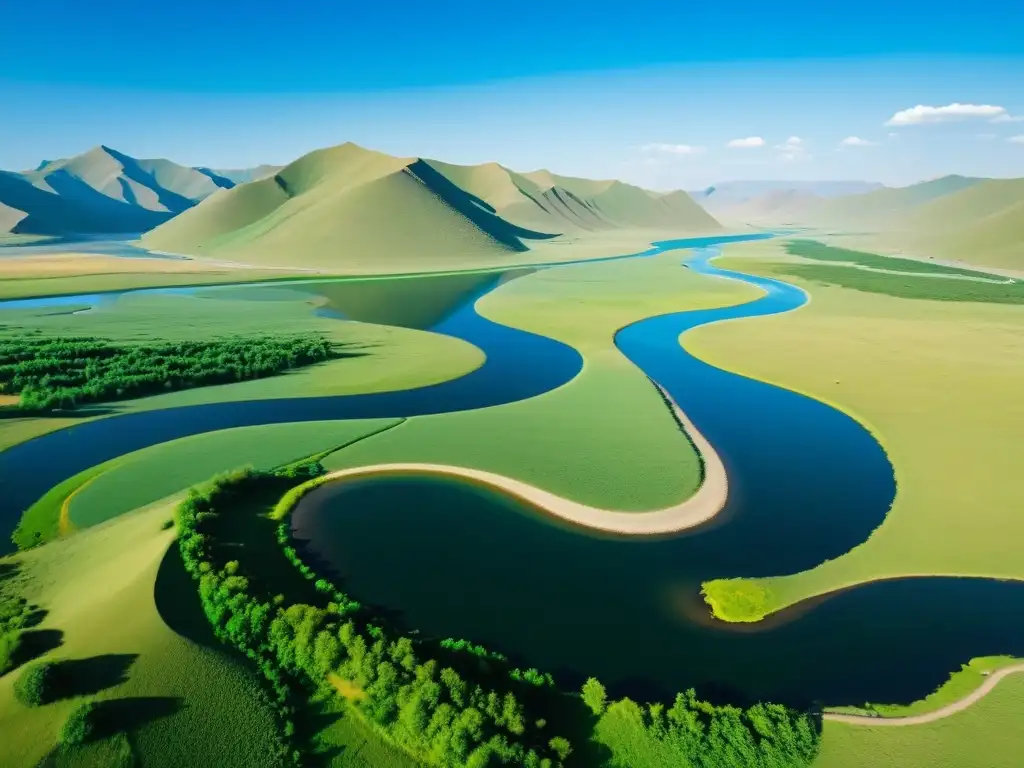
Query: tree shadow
pixel 33 643
pixel 85 677
pixel 7 571
pixel 177 601
pixel 129 714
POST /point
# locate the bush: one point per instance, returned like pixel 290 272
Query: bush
pixel 38 684
pixel 10 644
pixel 81 725
pixel 594 696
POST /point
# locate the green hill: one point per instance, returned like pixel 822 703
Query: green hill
pixel 884 208
pixel 101 191
pixel 358 210
pixel 982 224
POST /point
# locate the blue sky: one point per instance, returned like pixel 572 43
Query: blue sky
pixel 649 92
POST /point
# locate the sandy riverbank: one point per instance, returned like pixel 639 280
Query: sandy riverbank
pixel 707 502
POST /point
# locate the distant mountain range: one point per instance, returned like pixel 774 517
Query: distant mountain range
pixel 358 208
pixel 730 194
pixel 392 213
pixel 104 191
pixel 954 217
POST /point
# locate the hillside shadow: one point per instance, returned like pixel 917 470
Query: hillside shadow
pixel 473 208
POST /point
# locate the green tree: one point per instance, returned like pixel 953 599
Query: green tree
pixel 81 725
pixel 561 747
pixel 595 696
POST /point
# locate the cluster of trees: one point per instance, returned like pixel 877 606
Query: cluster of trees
pixel 51 374
pixel 39 684
pixel 432 711
pixel 15 616
pixel 82 725
pixel 702 735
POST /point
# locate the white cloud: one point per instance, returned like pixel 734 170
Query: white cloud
pixel 1008 118
pixel 1016 139
pixel 673 149
pixel 791 149
pixel 856 141
pixel 921 114
pixel 748 143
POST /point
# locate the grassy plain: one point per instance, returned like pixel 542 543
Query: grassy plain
pixel 56 274
pixel 390 358
pixel 144 476
pixel 605 438
pixel 938 382
pixel 961 683
pixel 985 735
pixel 123 609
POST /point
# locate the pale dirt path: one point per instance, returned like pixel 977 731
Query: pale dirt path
pixel 950 709
pixel 707 502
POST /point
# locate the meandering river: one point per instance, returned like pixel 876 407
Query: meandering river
pixel 807 483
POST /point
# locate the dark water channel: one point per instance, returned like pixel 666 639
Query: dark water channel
pixel 806 484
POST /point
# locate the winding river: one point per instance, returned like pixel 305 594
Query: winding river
pixel 807 483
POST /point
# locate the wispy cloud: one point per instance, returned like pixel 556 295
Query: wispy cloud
pixel 1016 139
pixel 923 115
pixel 673 149
pixel 791 149
pixel 856 141
pixel 1008 118
pixel 750 142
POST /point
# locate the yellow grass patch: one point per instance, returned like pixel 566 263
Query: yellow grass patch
pixel 348 689
pixel 75 264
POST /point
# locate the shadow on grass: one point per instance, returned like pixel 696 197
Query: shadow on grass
pixel 85 677
pixel 7 570
pixel 177 601
pixel 34 643
pixel 129 714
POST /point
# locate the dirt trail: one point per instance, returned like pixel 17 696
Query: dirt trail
pixel 950 709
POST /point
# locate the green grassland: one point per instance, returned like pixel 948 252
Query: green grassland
pixel 71 285
pixel 985 735
pixel 608 439
pixel 893 276
pixel 388 358
pixel 145 476
pixel 115 599
pixel 917 373
pixel 961 683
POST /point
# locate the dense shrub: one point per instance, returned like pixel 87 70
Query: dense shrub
pixel 51 374
pixel 38 684
pixel 10 645
pixel 81 726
